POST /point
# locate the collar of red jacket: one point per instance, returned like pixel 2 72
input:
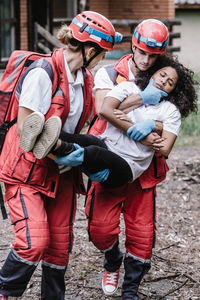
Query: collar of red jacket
pixel 122 66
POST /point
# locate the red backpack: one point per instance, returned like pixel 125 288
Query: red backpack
pixel 18 63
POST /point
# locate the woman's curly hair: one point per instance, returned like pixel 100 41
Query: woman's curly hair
pixel 184 96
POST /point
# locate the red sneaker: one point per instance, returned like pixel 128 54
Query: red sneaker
pixel 3 297
pixel 110 282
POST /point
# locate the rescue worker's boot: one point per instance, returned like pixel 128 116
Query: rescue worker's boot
pixel 134 272
pixel 15 275
pixel 53 283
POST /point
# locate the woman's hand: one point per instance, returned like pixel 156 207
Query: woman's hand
pixel 121 115
pixel 158 145
pixel 166 145
pixel 162 144
pixel 154 141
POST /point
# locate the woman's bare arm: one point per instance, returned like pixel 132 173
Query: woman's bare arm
pixel 166 145
pixel 107 112
pixel 131 102
pixel 103 108
pixel 122 116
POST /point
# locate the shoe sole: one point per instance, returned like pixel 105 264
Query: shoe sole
pixel 32 127
pixel 107 293
pixel 48 138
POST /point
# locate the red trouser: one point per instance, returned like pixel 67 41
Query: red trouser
pixel 43 226
pixel 103 208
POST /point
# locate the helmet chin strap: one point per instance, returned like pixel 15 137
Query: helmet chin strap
pixel 85 62
pixel 134 61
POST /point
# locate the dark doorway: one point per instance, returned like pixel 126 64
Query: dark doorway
pixel 39 11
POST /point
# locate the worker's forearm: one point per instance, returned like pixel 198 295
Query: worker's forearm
pixel 130 103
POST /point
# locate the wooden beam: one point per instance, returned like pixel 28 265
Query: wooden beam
pixel 50 38
pixel 187 6
pixel 43 48
pixel 120 22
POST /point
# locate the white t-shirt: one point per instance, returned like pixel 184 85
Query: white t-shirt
pixel 137 155
pixel 37 94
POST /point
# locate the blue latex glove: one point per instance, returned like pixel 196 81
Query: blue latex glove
pixel 152 95
pixel 73 159
pixel 99 176
pixel 140 130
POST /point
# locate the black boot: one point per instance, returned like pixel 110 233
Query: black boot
pixel 134 272
pixel 15 275
pixel 113 258
pixel 53 283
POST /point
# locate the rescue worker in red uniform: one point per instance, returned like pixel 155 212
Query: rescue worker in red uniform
pixel 135 200
pixel 41 201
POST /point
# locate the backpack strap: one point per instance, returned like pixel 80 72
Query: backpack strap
pixel 92 122
pixel 113 74
pixel 4 127
pixel 40 63
pixel 3 209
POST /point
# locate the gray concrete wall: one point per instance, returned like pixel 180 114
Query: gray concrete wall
pixel 190 38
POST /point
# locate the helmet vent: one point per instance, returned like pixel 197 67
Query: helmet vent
pixel 93 22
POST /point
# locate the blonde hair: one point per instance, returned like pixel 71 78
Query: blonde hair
pixel 65 36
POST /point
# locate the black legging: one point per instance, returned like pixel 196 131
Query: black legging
pixel 97 157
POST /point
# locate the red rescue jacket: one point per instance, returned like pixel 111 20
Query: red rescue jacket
pixel 17 166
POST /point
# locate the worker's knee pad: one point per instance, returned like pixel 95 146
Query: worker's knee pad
pixel 31 240
pixel 140 240
pixel 103 235
pixel 60 246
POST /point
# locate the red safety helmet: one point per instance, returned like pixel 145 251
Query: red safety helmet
pixel 151 36
pixel 92 26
